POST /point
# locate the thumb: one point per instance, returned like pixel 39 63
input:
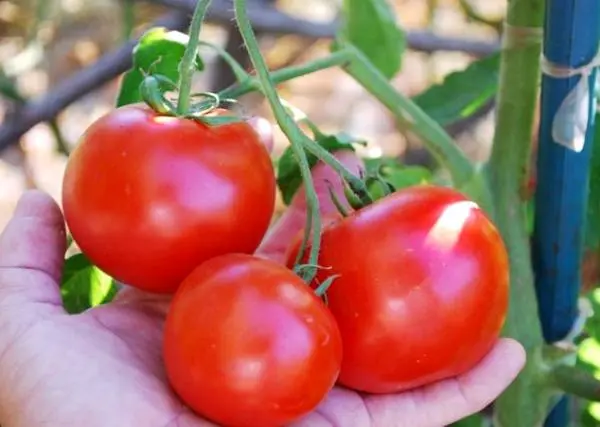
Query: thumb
pixel 32 248
pixel 293 219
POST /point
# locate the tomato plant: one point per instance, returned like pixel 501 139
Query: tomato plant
pixel 248 343
pixel 423 274
pixel 148 197
pixel 422 291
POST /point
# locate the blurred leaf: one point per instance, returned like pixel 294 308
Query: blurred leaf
pixel 462 93
pixel 8 88
pixel 588 358
pixel 592 325
pixel 592 228
pixel 370 25
pixel 84 285
pixel 289 178
pixel 158 52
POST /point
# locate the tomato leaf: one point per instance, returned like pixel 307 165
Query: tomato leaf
pixel 592 228
pixel 370 25
pixel 84 285
pixel 462 93
pixel 157 52
pixel 395 173
pixel 289 178
pixel 475 420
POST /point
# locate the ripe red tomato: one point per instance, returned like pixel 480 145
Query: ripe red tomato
pixel 247 343
pixel 423 288
pixel 149 197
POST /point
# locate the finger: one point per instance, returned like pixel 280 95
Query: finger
pixel 448 401
pixel 293 219
pixel 341 408
pixel 32 248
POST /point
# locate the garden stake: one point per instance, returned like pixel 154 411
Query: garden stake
pixel 572 33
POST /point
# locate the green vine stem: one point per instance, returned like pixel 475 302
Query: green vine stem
pixel 434 137
pixel 238 71
pixel 187 65
pixel 289 73
pixel 524 403
pixel 576 381
pixel 289 128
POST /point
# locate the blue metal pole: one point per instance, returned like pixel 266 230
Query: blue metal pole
pixel 571 39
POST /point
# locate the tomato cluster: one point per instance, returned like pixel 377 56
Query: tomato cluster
pixel 170 205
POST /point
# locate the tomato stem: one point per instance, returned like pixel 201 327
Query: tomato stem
pixel 434 137
pixel 336 201
pixel 151 90
pixel 289 73
pixel 289 128
pixel 576 381
pixel 238 71
pixel 188 63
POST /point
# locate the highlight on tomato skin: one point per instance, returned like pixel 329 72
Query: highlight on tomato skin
pixel 149 197
pixel 248 344
pixel 422 292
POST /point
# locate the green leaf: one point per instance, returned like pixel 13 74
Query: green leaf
pixel 8 88
pixel 396 173
pixel 289 178
pixel 462 93
pixel 157 52
pixel 370 25
pixel 592 229
pixel 84 285
pixel 588 358
pixel 475 420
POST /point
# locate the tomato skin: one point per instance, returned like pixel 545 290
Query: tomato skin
pixel 148 198
pixel 247 343
pixel 415 302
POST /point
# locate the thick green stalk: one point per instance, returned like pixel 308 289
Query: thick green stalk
pixel 525 403
pixel 188 63
pixel 434 137
pixel 289 128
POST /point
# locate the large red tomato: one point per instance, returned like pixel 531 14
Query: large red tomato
pixel 247 343
pixel 423 288
pixel 149 197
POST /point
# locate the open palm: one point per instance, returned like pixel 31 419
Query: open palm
pixel 104 368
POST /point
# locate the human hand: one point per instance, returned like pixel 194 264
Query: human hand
pixel 104 367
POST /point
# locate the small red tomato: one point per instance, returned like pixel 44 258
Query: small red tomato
pixel 422 291
pixel 247 343
pixel 148 197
